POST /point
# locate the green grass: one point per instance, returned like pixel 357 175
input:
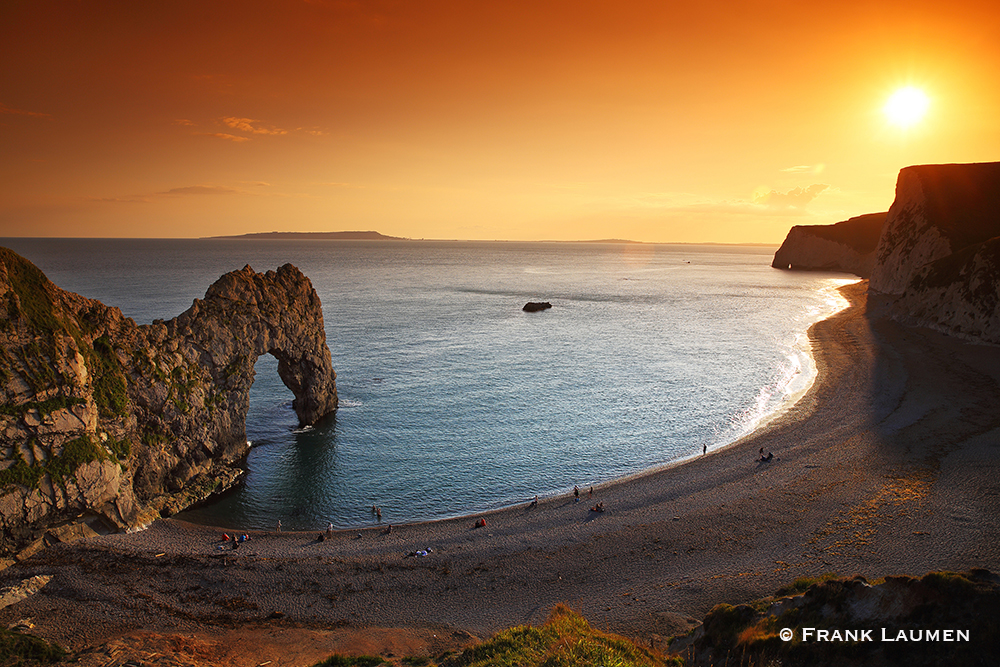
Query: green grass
pixel 19 649
pixel 61 467
pixel 74 454
pixel 34 291
pixel 45 407
pixel 20 473
pixel 802 584
pixel 566 639
pixel 110 386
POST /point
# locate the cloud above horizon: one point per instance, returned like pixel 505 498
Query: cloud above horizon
pixel 201 190
pixel 796 198
pixel 223 135
pixel 21 112
pixel 804 168
pixel 247 125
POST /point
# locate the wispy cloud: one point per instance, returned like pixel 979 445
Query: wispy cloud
pixel 202 190
pixel 223 135
pixel 248 125
pixel 250 128
pixel 137 199
pixel 338 184
pixel 679 204
pixel 21 112
pixel 171 193
pixel 804 169
pixel 796 198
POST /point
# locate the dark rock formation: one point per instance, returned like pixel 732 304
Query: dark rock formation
pixel 923 609
pixel 846 246
pixel 535 306
pixel 104 417
pixel 938 260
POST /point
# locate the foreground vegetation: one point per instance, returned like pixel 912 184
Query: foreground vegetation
pixel 566 639
pixel 750 635
pixel 767 632
pixel 22 649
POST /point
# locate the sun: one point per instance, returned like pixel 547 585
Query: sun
pixel 906 106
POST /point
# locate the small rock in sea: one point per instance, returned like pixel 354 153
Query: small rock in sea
pixel 535 306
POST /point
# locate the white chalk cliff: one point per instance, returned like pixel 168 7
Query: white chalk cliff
pixel 938 260
pixel 846 246
pixel 933 260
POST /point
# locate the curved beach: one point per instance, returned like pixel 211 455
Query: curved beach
pixel 888 465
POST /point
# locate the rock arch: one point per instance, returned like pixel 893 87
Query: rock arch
pixel 103 416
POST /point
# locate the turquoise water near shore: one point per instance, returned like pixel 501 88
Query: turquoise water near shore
pixel 453 400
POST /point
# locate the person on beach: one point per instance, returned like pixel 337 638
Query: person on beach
pixel 534 503
pixel 576 493
pixel 279 526
pixel 329 529
pixel 704 450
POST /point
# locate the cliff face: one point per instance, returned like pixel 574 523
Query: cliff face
pixel 846 246
pixel 104 417
pixel 938 260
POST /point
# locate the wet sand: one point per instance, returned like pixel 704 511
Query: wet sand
pixel 890 464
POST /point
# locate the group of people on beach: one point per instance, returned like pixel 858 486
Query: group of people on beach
pixel 599 507
pixel 236 540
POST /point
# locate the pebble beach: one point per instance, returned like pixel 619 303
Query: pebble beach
pixel 888 465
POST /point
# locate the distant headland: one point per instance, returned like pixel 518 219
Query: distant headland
pixel 376 236
pixel 343 236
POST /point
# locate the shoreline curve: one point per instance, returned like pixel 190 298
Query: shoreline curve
pixel 889 464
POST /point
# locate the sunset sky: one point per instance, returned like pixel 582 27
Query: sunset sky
pixel 477 119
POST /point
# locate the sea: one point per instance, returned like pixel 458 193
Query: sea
pixel 453 400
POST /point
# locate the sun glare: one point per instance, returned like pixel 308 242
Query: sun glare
pixel 906 106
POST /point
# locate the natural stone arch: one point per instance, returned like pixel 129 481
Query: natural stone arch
pixel 243 316
pixel 101 416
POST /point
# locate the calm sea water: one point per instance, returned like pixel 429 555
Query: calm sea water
pixel 452 399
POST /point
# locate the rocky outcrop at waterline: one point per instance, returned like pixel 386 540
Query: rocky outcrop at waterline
pixel 941 618
pixel 103 417
pixel 536 306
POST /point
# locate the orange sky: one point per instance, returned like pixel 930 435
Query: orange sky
pixel 479 119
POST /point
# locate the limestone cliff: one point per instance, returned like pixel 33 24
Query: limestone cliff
pixel 938 259
pixel 104 417
pixel 845 246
